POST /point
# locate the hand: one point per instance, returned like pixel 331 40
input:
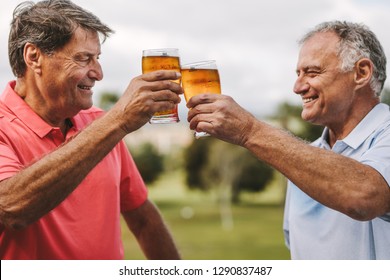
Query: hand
pixel 146 95
pixel 221 117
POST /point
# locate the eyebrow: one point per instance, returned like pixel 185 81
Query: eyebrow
pixel 309 67
pixel 87 53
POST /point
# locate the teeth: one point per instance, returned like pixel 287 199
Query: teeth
pixel 85 87
pixel 306 100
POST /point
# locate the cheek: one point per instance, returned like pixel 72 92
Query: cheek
pixel 336 105
pixel 72 72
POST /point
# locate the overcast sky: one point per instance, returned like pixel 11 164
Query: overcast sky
pixel 253 41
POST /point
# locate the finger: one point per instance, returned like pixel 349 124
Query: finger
pixel 165 95
pixel 160 106
pixel 202 123
pixel 205 127
pixel 201 99
pixel 161 75
pixel 163 85
pixel 201 109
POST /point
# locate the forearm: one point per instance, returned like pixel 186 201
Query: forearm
pixel 336 181
pixel 37 189
pixel 157 244
pixel 151 233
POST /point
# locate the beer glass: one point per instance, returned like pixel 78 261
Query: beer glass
pixel 162 59
pixel 200 77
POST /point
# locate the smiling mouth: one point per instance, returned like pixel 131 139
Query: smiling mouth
pixel 309 99
pixel 84 87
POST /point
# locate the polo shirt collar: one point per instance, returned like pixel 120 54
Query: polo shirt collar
pixel 24 112
pixel 364 129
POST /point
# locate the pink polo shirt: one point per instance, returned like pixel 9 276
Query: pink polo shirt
pixel 86 225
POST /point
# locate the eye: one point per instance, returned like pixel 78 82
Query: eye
pixel 312 73
pixel 82 59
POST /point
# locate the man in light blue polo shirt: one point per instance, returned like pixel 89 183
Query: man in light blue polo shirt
pixel 314 231
pixel 338 198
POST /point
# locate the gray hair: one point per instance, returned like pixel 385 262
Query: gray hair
pixel 49 25
pixel 357 41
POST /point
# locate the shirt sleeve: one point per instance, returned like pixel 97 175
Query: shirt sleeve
pixel 9 162
pixel 286 216
pixel 378 154
pixel 378 157
pixel 133 191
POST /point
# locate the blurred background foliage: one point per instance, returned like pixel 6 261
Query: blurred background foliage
pixel 149 161
pixel 218 199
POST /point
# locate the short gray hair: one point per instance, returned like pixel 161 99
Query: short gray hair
pixel 49 25
pixel 357 41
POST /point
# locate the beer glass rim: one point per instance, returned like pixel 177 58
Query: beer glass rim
pixel 200 63
pixel 161 51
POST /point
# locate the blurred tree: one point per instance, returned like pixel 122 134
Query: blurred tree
pixel 289 117
pixel 213 163
pixel 107 100
pixel 226 168
pixel 149 162
pixel 255 175
pixel 195 159
pixel 385 96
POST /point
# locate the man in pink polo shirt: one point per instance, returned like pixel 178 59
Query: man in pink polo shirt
pixel 65 174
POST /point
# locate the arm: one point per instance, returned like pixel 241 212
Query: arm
pixel 151 233
pixel 37 189
pixel 336 181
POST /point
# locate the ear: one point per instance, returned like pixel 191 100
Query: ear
pixel 32 57
pixel 364 70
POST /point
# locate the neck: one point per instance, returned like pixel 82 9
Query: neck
pixel 343 128
pixel 31 95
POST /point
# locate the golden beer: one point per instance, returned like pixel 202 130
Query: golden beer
pixel 162 59
pixel 200 77
pixel 154 63
pixel 197 81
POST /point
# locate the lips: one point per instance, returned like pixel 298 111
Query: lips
pixel 83 87
pixel 306 100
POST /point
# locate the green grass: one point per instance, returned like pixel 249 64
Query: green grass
pixel 194 219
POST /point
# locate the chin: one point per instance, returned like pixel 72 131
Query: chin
pixel 81 107
pixel 86 104
pixel 86 107
pixel 305 116
pixel 308 118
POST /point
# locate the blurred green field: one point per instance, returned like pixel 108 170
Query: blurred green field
pixel 254 231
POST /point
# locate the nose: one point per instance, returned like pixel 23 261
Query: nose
pixel 96 71
pixel 301 86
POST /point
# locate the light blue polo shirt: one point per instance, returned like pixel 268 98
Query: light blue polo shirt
pixel 314 231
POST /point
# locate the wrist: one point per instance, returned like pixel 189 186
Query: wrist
pixel 252 134
pixel 110 124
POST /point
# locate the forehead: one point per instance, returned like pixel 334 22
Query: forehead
pixel 83 41
pixel 319 48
